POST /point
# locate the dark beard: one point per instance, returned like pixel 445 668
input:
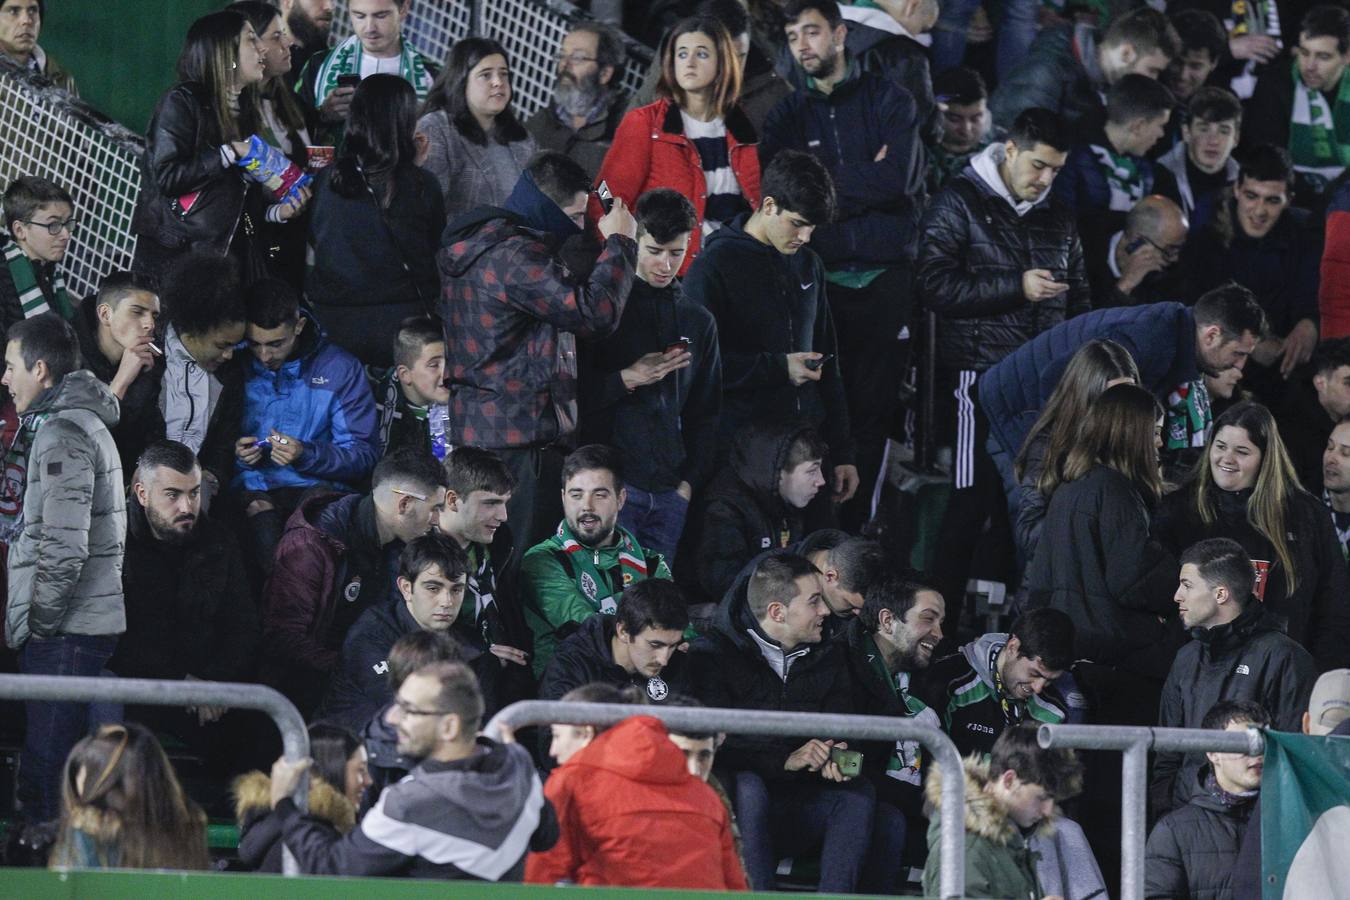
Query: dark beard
pixel 306 30
pixel 166 533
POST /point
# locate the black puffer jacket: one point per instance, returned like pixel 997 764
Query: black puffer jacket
pixel 973 252
pixel 742 514
pixel 1193 852
pixel 1317 614
pixel 728 670
pixel 586 657
pixel 182 157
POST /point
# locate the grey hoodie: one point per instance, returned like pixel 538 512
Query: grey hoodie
pixel 65 569
pixel 986 163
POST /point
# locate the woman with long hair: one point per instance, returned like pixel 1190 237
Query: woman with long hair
pixel 695 139
pixel 123 808
pixel 196 192
pixel 1039 467
pixel 1244 488
pixel 475 145
pixel 375 226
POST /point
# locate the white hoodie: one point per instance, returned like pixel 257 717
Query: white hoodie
pixel 986 163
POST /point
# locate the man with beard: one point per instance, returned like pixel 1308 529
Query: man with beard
pixel 587 103
pixel 1336 481
pixel 190 613
pixel 309 22
pixel 590 560
pixel 894 636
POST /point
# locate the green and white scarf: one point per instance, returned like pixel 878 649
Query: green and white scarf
pixel 1123 177
pixel 1189 416
pixel 31 298
pixel 345 59
pixel 1319 136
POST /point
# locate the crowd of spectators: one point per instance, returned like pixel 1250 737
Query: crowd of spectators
pixel 412 407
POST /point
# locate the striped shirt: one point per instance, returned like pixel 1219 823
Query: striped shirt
pixel 725 200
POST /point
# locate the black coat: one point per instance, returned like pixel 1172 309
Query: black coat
pixel 1051 76
pixel 1096 563
pixel 1317 614
pixel 1249 658
pixel 1305 427
pixel 189 607
pixel 972 255
pixel 728 670
pixel 1193 852
pixel 585 657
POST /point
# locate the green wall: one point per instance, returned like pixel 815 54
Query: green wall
pixel 121 52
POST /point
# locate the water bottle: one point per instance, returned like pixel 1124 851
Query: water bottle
pixel 436 419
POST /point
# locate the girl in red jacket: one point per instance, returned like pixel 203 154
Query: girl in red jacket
pixel 695 139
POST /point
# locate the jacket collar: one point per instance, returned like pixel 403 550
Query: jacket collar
pixel 738 125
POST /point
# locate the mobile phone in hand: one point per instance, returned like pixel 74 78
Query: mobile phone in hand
pixel 683 345
pixel 350 81
pixel 606 198
pixel 848 761
pixel 814 364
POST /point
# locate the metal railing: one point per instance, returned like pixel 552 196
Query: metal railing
pixel 1136 742
pixel 530 30
pixel 952 877
pixel 154 692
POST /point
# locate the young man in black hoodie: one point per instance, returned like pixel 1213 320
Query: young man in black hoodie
pixel 652 390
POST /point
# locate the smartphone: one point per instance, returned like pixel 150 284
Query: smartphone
pixel 350 81
pixel 683 345
pixel 814 364
pixel 606 198
pixel 848 761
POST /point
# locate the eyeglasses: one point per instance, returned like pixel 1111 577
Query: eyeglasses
pixel 54 228
pixel 408 710
pixel 575 59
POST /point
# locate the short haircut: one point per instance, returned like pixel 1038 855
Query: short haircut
pixel 1228 712
pixel 1214 104
pixel 822 539
pixel 1147 30
pixel 828 9
pixel 609 49
pixel 1200 29
pixel 892 591
pixel 1234 309
pixel 731 13
pixel 201 293
pixel 687 702
pixel 420 648
pixel 432 549
pixel 1040 126
pixel 411 466
pixel 117 286
pixel 805 447
pixel 459 693
pixel 1137 97
pixel 166 454
pixel 653 603
pixel 798 183
pixel 27 193
pixel 1057 770
pixel 271 303
pixel 469 469
pixel 591 457
pixel 1223 562
pixel 1331 355
pixel 1266 162
pixel 775 580
pixel 664 214
pixel 860 563
pixel 559 177
pixel 1328 20
pixel 49 338
pixel 960 84
pixel 413 335
pixel 1045 633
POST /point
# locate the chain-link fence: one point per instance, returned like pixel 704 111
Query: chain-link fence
pixel 530 30
pixel 44 131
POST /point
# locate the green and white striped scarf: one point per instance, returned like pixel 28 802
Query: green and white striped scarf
pixel 31 298
pixel 1319 136
pixel 345 59
pixel 1122 177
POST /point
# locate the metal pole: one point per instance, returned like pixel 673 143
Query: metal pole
pixel 1133 827
pixel 952 875
pixel 155 692
pixel 923 445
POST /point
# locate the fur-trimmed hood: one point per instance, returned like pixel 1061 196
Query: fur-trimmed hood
pixel 253 797
pixel 986 816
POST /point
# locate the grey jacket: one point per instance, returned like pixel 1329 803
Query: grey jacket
pixel 65 569
pixel 471 175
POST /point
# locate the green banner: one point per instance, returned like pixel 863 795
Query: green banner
pixel 1305 817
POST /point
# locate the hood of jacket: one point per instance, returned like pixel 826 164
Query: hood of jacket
pixel 638 749
pixel 985 165
pixel 986 815
pixel 978 652
pixel 1215 799
pixel 734 621
pixel 479 231
pixel 759 454
pixel 80 389
pixel 252 793
pixel 381 742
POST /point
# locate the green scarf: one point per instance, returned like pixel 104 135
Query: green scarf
pixel 1319 135
pixel 602 588
pixel 906 762
pixel 1123 177
pixel 1189 416
pixel 34 302
pixel 345 59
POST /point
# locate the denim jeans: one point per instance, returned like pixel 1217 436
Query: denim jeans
pixel 656 520
pixel 1016 30
pixel 54 728
pixel 790 818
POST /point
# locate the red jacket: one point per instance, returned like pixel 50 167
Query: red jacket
pixel 650 151
pixel 632 815
pixel 1334 295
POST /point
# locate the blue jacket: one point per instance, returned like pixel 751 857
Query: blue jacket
pixel 321 397
pixel 878 203
pixel 1083 184
pixel 1160 337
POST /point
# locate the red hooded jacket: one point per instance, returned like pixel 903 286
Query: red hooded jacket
pixel 632 815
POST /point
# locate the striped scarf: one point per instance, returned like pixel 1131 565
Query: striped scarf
pixel 1128 184
pixel 345 59
pixel 1319 135
pixel 31 298
pixel 582 563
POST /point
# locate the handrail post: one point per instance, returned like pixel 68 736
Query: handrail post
pixel 1133 828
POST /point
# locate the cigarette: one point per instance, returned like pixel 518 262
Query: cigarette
pixel 153 349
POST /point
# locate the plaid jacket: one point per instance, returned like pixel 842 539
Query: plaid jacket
pixel 512 310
